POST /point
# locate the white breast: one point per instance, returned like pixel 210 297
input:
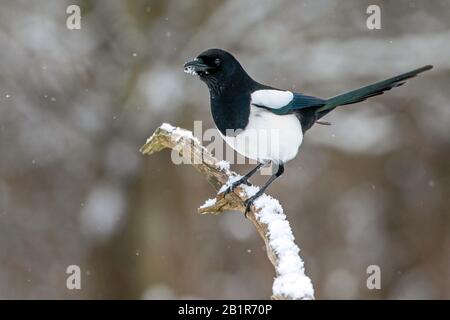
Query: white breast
pixel 268 137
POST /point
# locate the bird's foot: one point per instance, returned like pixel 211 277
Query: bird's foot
pixel 249 202
pixel 235 184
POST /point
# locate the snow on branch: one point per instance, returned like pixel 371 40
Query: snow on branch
pixel 266 215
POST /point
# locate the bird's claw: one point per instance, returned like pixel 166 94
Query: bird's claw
pixel 248 203
pixel 235 184
pixel 246 182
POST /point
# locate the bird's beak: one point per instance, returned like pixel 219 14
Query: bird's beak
pixel 195 67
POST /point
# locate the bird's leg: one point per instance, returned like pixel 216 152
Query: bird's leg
pixel 249 202
pixel 244 179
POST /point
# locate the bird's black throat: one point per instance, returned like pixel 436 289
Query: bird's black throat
pixel 230 111
pixel 230 99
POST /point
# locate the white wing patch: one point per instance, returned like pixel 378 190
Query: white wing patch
pixel 274 99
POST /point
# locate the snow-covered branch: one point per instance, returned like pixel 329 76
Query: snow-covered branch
pixel 266 214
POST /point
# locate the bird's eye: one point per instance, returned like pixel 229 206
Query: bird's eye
pixel 217 62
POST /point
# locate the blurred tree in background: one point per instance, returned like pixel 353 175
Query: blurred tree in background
pixel 76 105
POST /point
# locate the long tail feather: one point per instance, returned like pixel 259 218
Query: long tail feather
pixel 375 89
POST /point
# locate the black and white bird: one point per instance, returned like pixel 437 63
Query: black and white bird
pixel 264 123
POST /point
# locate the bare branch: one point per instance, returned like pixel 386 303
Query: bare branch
pixel 266 214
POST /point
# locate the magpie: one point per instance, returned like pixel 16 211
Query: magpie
pixel 264 123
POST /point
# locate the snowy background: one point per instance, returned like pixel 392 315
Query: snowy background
pixel 75 106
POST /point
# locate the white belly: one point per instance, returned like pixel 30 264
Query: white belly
pixel 268 137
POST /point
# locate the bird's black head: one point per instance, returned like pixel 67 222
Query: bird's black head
pixel 217 68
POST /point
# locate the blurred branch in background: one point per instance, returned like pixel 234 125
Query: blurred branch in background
pixel 266 215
